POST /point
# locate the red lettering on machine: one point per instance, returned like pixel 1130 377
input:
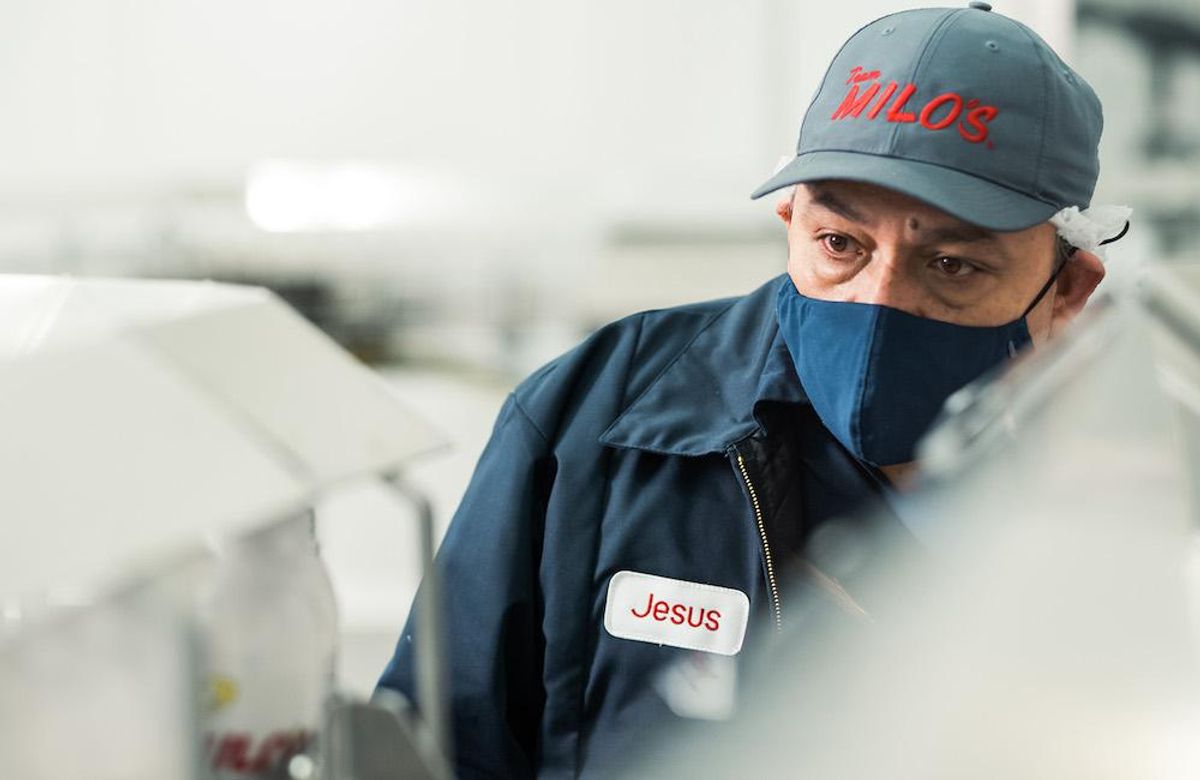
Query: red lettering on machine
pixel 249 754
pixel 972 115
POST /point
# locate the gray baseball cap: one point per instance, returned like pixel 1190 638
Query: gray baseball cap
pixel 962 108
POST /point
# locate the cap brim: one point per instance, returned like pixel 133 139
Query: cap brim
pixel 971 199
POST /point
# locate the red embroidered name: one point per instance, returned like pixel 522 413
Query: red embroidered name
pixel 709 619
pixel 867 94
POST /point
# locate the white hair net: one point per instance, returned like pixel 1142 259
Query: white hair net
pixel 1091 227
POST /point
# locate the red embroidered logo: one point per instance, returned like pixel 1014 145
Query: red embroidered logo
pixel 940 112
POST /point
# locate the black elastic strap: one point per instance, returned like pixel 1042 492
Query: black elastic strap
pixel 1118 236
pixel 1049 283
pixel 1067 253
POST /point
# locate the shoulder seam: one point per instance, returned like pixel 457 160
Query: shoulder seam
pixel 716 316
pixel 528 418
pixel 637 350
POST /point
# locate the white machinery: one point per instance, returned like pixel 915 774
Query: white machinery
pixel 142 419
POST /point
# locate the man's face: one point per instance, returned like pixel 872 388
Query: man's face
pixel 850 241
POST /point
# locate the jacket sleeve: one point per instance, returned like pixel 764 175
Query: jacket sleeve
pixel 489 562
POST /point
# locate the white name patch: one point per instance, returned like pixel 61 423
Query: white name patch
pixel 647 608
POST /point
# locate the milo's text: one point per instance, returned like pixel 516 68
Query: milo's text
pixel 869 97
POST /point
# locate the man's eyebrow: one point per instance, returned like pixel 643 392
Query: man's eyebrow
pixel 963 233
pixel 958 234
pixel 841 208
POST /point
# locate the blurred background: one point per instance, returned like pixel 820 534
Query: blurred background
pixel 459 190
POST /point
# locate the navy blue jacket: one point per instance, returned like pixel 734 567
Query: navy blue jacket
pixel 677 443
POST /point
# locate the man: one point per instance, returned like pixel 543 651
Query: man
pixel 642 496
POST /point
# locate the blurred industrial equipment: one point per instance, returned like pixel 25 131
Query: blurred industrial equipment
pixel 144 419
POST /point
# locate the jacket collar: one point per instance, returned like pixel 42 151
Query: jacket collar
pixel 708 396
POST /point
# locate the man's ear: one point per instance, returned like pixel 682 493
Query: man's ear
pixel 1076 283
pixel 783 206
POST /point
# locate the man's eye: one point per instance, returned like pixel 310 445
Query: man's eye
pixel 953 267
pixel 837 244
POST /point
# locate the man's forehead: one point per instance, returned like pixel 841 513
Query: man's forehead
pixel 868 203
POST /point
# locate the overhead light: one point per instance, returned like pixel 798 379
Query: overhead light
pixel 298 195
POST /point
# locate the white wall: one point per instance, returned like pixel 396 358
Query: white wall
pixel 623 103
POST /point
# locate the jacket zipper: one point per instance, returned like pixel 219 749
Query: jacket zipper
pixel 766 546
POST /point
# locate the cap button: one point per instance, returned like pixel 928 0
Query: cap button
pixel 982 6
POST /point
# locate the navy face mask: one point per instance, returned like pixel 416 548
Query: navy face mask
pixel 878 376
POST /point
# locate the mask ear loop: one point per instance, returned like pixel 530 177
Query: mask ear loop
pixel 1118 236
pixel 1066 252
